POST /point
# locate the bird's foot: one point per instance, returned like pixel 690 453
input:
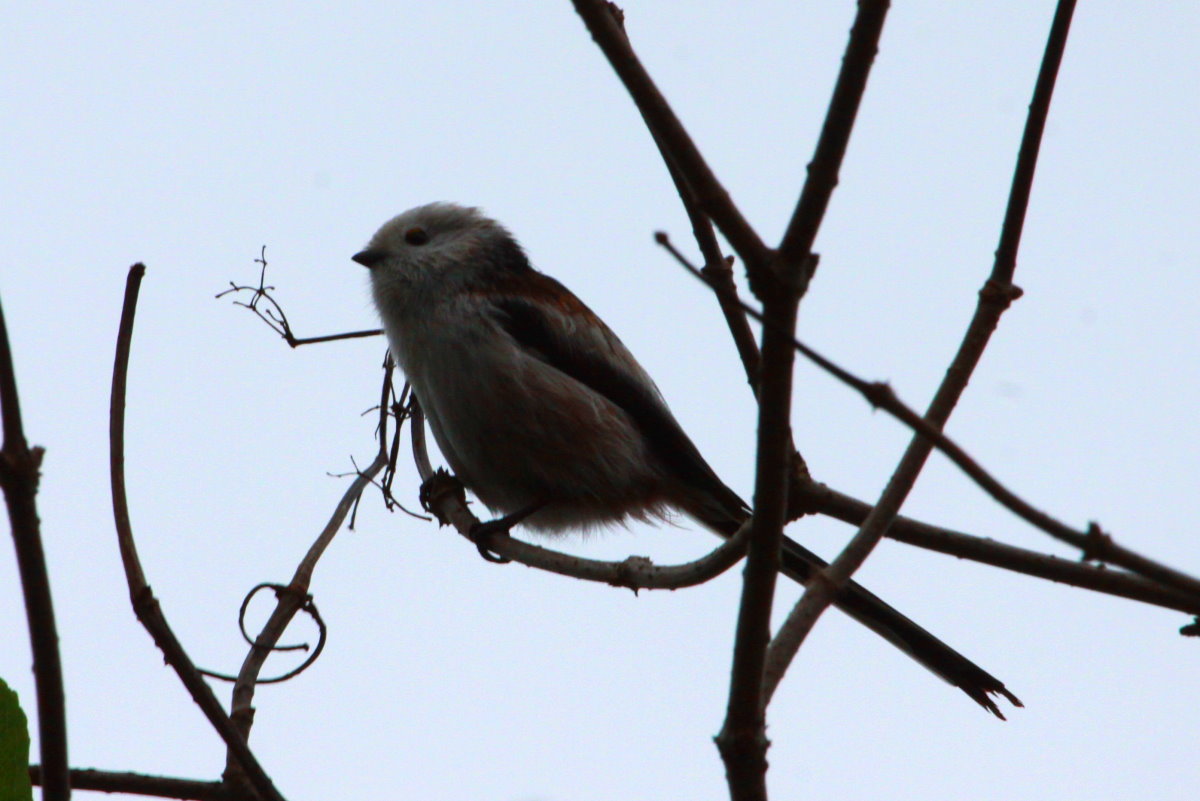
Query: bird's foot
pixel 500 527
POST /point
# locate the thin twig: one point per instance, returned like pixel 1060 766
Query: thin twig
pixel 308 607
pixel 19 475
pixel 295 596
pixel 145 605
pixel 995 297
pixel 273 314
pixel 444 496
pixel 719 274
pixel 109 781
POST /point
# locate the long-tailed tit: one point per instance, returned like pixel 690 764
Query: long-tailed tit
pixel 535 402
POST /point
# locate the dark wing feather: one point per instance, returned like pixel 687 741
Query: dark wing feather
pixel 604 374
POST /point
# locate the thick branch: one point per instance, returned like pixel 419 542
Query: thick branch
pixel 742 740
pixel 19 474
pixel 993 300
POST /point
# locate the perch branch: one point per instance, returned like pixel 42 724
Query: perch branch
pixel 445 498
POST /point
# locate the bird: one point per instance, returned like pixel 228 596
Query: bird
pixel 539 408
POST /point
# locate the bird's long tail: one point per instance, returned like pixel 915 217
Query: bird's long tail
pixel 858 602
pixel 799 564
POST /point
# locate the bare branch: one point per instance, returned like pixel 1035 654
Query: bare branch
pixel 1097 578
pixel 19 475
pixel 108 781
pixel 605 22
pixel 717 267
pixel 294 596
pixel 742 740
pixel 145 605
pixel 1031 144
pixel 718 273
pixel 1093 543
pixel 835 132
pixel 994 298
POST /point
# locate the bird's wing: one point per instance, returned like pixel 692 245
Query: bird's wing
pixel 561 331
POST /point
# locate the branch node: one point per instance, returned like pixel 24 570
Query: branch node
pixel 745 747
pixel 437 487
pixel 617 13
pixel 879 394
pixel 628 571
pixel 822 581
pixel 1000 293
pixel 1097 545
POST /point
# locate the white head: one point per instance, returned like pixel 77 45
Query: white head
pixel 439 245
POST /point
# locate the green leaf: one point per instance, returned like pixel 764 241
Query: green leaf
pixel 14 749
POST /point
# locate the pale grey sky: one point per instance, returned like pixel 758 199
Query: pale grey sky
pixel 187 135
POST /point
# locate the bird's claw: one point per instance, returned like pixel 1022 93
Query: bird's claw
pixel 499 527
pixel 481 532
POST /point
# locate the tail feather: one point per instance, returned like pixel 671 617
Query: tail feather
pixel 858 602
pixel 799 564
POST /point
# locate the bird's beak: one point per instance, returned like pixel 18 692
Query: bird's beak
pixel 368 258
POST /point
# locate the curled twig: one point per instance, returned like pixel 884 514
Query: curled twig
pixel 292 598
pixel 309 607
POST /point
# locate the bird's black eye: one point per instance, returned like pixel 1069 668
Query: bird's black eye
pixel 416 236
